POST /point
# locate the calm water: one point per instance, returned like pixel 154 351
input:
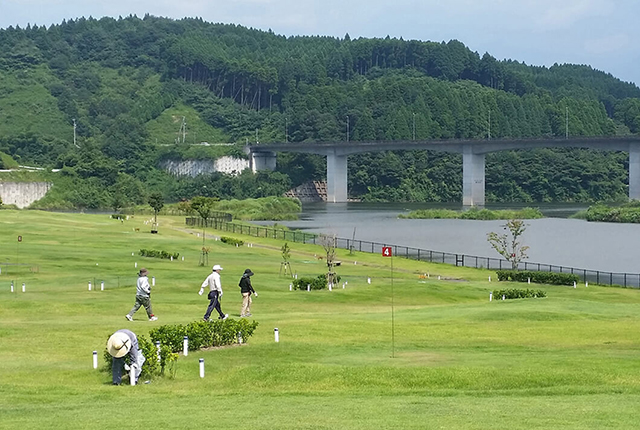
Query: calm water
pixel 555 240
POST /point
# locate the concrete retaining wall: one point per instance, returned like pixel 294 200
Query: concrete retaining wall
pixel 22 194
pixel 193 168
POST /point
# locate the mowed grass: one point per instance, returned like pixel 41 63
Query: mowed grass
pixel 457 361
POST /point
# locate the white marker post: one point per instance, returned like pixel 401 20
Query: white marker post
pixel 172 258
pixel 95 359
pixel 136 265
pixel 185 346
pixel 102 286
pixel 489 278
pixel 89 285
pixel 308 287
pixel 132 254
pixel 330 287
pixel 158 350
pixel 132 374
pixel 202 367
pixel 343 285
pixel 491 296
pixel 276 334
pixel 368 280
pixel 438 277
pixel 528 280
pixel 586 283
pixel 290 287
pixel 240 337
pixel 12 286
pixel 574 284
pixel 183 258
pixel 503 297
pixel 23 287
pixel 153 281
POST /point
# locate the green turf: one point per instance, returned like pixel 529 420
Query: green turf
pixel 458 361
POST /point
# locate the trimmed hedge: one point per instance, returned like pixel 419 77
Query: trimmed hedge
pixel 231 241
pixel 152 365
pixel 158 254
pixel 550 278
pixel 203 334
pixel 317 283
pixel 514 293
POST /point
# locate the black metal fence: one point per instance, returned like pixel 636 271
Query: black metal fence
pixel 630 280
pixel 216 217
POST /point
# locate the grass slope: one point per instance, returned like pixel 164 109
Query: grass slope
pixel 567 361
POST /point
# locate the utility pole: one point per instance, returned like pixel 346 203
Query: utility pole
pixel 414 126
pixel 74 134
pixel 347 128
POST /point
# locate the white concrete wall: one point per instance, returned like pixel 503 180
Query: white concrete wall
pixel 193 168
pixel 22 194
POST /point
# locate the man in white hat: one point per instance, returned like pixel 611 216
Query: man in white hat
pixel 122 343
pixel 215 292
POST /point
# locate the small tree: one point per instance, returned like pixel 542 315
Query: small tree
pixel 328 243
pixel 156 201
pixel 286 254
pixel 508 245
pixel 117 201
pixel 204 207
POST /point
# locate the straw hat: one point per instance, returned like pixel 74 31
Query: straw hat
pixel 216 267
pixel 119 344
pixel 144 272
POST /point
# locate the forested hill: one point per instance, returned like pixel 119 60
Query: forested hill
pixel 127 83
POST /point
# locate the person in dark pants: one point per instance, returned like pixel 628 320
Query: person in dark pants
pixel 143 296
pixel 215 293
pixel 122 343
pixel 246 289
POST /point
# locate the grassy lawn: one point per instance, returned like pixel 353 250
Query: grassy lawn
pixel 458 361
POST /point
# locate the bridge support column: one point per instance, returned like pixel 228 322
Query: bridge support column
pixel 336 178
pixel 263 161
pixel 634 171
pixel 472 177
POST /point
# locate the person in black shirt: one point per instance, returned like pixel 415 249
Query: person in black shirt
pixel 246 289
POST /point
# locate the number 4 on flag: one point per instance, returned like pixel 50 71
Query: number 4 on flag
pixel 386 251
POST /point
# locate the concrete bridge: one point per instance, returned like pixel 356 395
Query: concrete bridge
pixel 263 157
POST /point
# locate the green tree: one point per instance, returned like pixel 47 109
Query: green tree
pixel 508 244
pixel 156 201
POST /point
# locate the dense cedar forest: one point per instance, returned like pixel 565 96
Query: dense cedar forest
pixel 127 83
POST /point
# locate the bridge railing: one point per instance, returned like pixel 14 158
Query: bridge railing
pixel 627 280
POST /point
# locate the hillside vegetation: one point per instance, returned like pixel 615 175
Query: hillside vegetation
pixel 127 83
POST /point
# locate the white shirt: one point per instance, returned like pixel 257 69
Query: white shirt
pixel 213 281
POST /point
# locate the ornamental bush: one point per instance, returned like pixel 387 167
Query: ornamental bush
pixel 515 293
pixel 551 278
pixel 231 241
pixel 158 254
pixel 153 366
pixel 317 283
pixel 203 334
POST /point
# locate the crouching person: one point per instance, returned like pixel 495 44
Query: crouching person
pixel 122 343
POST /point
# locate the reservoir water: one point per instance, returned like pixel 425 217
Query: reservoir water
pixel 554 240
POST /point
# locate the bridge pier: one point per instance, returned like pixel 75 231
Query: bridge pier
pixel 336 177
pixel 634 171
pixel 263 161
pixel 472 177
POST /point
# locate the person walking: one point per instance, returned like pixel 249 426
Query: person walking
pixel 215 293
pixel 122 343
pixel 246 289
pixel 143 296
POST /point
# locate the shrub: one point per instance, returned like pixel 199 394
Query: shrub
pixel 152 366
pixel 551 278
pixel 515 293
pixel 119 216
pixel 317 283
pixel 203 334
pixel 231 241
pixel 158 254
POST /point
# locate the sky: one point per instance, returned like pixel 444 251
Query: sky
pixel 603 34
